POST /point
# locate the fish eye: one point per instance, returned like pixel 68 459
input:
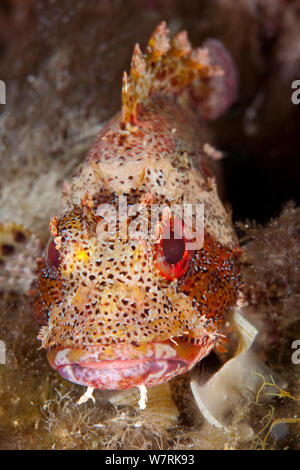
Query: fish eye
pixel 173 249
pixel 171 257
pixel 52 254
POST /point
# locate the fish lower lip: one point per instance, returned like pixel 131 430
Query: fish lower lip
pixel 155 363
pixel 109 377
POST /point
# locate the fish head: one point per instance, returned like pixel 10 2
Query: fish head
pixel 135 300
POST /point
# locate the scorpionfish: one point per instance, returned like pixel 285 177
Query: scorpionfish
pixel 120 311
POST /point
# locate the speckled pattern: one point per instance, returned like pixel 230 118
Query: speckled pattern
pixel 95 291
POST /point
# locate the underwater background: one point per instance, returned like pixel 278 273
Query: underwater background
pixel 62 63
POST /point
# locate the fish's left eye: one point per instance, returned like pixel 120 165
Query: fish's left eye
pixel 172 257
pixel 173 249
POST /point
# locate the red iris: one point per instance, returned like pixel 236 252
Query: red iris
pixel 53 255
pixel 172 257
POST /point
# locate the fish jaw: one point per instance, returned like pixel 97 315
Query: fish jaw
pixel 129 365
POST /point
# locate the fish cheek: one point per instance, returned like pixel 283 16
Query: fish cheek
pixel 212 280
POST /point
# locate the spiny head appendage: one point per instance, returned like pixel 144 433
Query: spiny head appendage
pixel 166 68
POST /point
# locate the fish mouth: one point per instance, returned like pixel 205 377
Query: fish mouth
pixel 127 365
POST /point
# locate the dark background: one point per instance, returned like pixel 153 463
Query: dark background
pixel 260 134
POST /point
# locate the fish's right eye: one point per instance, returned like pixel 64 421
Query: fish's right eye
pixel 53 254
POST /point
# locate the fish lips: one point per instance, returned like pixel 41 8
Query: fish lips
pixel 131 365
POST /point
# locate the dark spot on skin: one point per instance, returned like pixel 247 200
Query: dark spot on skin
pixel 20 237
pixel 7 249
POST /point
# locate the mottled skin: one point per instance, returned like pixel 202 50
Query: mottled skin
pixel 115 313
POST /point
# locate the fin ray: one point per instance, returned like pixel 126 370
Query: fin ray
pixel 168 67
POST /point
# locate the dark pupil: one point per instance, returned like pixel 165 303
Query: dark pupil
pixel 173 249
pixel 53 255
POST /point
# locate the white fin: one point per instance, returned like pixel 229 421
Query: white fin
pixel 88 395
pixel 235 382
pixel 143 399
